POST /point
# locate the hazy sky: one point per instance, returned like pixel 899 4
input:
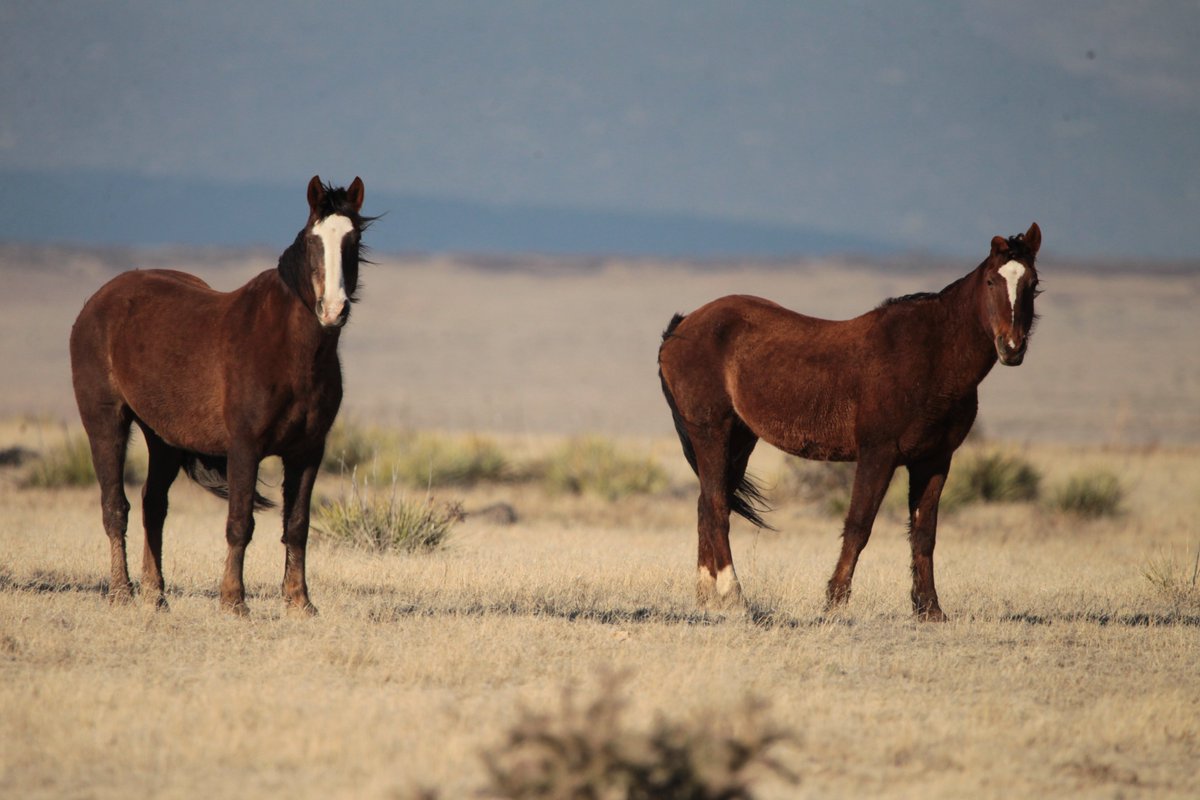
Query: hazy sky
pixel 934 124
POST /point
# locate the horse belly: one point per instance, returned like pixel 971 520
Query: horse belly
pixel 816 426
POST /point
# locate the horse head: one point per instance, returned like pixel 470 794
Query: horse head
pixel 1010 286
pixel 332 239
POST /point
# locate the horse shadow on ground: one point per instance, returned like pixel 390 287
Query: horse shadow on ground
pixel 385 607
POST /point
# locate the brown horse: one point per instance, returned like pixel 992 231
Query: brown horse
pixel 895 386
pixel 217 381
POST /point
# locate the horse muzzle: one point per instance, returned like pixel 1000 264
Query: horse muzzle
pixel 1010 355
pixel 331 317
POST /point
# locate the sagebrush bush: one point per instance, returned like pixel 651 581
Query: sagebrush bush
pixel 1090 495
pixel 991 478
pixel 383 521
pixel 585 751
pixel 432 460
pixel 591 465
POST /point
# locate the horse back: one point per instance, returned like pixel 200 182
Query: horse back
pixel 790 377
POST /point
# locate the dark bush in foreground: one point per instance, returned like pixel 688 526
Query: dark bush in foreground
pixel 587 751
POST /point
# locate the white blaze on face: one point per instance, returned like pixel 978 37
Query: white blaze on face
pixel 1012 272
pixel 331 293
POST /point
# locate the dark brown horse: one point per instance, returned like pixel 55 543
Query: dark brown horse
pixel 218 381
pixel 895 386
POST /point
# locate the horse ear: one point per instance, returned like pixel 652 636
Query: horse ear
pixel 999 245
pixel 316 194
pixel 1033 238
pixel 355 194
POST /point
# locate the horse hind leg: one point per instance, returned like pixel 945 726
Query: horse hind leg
pixel 107 426
pixel 162 469
pixel 721 457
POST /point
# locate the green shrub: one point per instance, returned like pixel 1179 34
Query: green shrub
pixel 69 465
pixel 383 521
pixel 430 460
pixel 65 465
pixel 992 478
pixel 347 446
pixel 1090 495
pixel 595 466
pixel 829 484
pixel 587 751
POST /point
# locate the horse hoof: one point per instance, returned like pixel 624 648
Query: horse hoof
pixel 120 596
pixel 305 609
pixel 729 607
pixel 932 615
pixel 156 602
pixel 238 609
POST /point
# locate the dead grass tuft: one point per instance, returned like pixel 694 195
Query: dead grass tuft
pixel 1176 580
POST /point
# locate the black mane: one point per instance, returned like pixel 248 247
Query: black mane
pixel 1018 248
pixel 336 201
pixel 915 297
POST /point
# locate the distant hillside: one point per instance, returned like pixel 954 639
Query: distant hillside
pixel 125 209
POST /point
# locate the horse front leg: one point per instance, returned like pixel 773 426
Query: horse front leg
pixel 242 475
pixel 925 483
pixel 871 480
pixel 299 476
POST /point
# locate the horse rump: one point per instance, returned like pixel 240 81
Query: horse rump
pixel 744 494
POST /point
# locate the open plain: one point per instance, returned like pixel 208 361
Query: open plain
pixel 1069 666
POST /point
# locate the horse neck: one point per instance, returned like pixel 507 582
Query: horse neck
pixel 279 302
pixel 968 352
pixel 292 272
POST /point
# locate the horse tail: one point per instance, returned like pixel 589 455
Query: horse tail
pixel 747 501
pixel 689 452
pixel 211 473
pixel 744 495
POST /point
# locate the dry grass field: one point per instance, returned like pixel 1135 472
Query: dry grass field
pixel 1069 666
